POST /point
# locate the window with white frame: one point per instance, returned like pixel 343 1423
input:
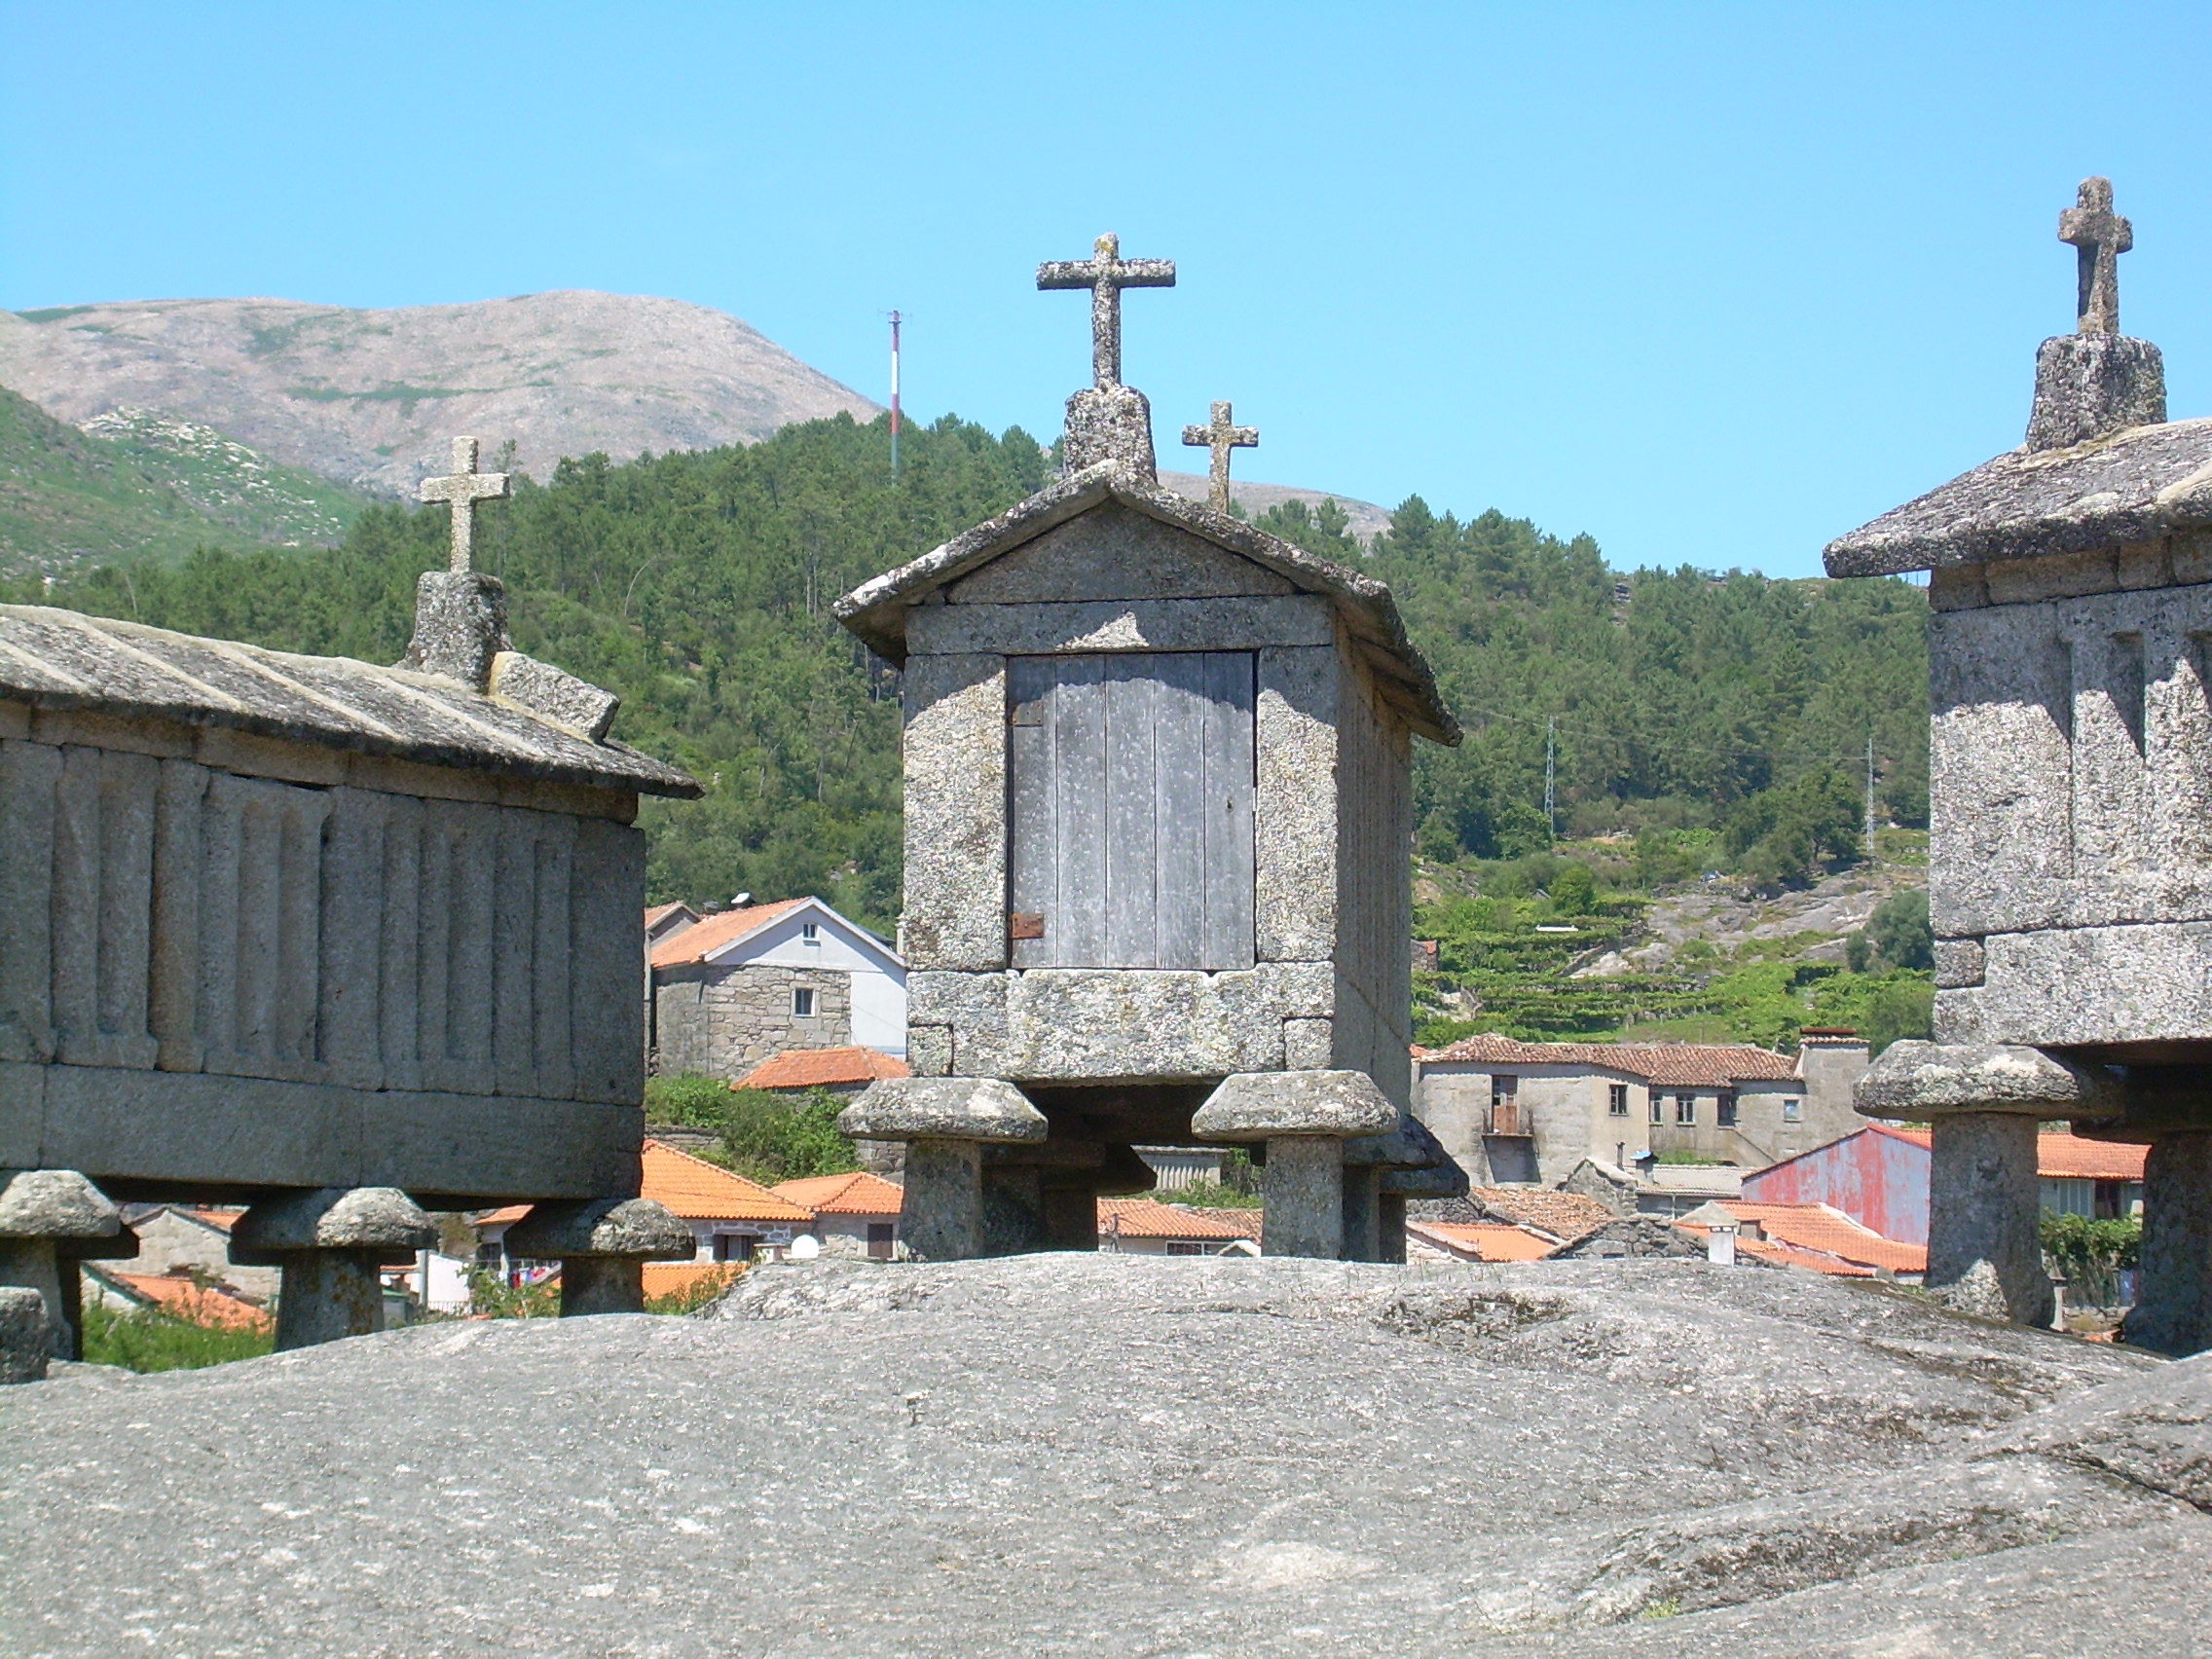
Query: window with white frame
pixel 802 1002
pixel 810 933
pixel 1792 1111
pixel 1657 1116
pixel 1685 1108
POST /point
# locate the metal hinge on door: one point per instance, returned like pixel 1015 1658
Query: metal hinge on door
pixel 1025 924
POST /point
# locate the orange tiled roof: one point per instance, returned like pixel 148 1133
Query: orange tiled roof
pixel 1484 1240
pixel 2062 1156
pixel 177 1296
pixel 665 1278
pixel 1149 1218
pixel 856 1193
pixel 222 1220
pixel 1828 1231
pixel 810 1068
pixel 1767 1250
pixel 1711 1065
pixel 657 913
pixel 1565 1216
pixel 699 1191
pixel 1245 1223
pixel 711 933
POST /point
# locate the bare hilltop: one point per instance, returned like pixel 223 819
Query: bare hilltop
pixel 368 397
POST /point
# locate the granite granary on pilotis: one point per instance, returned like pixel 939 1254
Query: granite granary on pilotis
pixel 337 941
pixel 1158 800
pixel 2071 805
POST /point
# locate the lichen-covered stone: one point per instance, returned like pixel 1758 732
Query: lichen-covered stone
pixel 1265 1105
pixel 943 1108
pixel 560 696
pixel 1110 425
pixel 26 1346
pixel 1915 1079
pixel 54 1203
pixel 1408 1146
pixel 2089 385
pixel 1445 1180
pixel 461 626
pixel 639 1228
pixel 380 1219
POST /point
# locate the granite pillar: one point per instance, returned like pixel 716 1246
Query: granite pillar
pixel 602 1246
pixel 941 1218
pixel 1984 1208
pixel 45 1216
pixel 2173 1296
pixel 1303 1186
pixel 946 1123
pixel 331 1242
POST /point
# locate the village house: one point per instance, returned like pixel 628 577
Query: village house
pixel 731 1219
pixel 729 991
pixel 1879 1176
pixel 1475 1241
pixel 1510 1111
pixel 1146 1227
pixel 196 1240
pixel 855 1214
pixel 176 1294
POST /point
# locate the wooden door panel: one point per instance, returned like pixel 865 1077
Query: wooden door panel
pixel 1130 797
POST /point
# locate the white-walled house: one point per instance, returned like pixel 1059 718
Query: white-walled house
pixel 729 991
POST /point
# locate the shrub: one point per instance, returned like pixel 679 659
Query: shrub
pixel 770 1138
pixel 1900 930
pixel 139 1339
pixel 687 1098
pixel 2091 1254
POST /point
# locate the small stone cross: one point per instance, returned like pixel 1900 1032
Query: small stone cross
pixel 462 492
pixel 1221 436
pixel 2102 237
pixel 1106 274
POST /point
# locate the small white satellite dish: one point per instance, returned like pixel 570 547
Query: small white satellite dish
pixel 805 1247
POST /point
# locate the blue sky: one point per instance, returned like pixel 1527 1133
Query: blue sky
pixel 1712 284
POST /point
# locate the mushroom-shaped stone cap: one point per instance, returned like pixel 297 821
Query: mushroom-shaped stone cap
pixel 54 1203
pixel 1409 1146
pixel 334 1218
pixel 1445 1179
pixel 640 1229
pixel 1251 1106
pixel 1930 1080
pixel 943 1108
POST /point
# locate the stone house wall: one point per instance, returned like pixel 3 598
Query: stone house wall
pixel 721 1020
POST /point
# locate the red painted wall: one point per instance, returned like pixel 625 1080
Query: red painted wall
pixel 1878 1180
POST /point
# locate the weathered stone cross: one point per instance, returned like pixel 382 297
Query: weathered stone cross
pixel 1106 274
pixel 462 492
pixel 2102 237
pixel 1221 436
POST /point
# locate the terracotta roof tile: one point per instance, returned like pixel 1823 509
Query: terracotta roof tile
pixel 856 1194
pixel 699 1191
pixel 1565 1216
pixel 655 914
pixel 1766 1250
pixel 2060 1154
pixel 1484 1240
pixel 666 1278
pixel 1828 1231
pixel 180 1297
pixel 1712 1065
pixel 813 1068
pixel 711 933
pixel 1149 1218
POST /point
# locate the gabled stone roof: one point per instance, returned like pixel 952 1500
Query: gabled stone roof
pixel 877 610
pixel 62 660
pixel 2133 485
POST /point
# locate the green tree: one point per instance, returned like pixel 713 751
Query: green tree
pixel 1574 890
pixel 1900 930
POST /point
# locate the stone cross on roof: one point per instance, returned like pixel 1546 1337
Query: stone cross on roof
pixel 462 492
pixel 2102 237
pixel 1221 436
pixel 1106 274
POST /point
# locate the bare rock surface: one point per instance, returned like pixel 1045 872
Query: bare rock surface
pixel 1063 1455
pixel 371 399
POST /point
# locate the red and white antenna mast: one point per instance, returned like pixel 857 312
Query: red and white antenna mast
pixel 895 320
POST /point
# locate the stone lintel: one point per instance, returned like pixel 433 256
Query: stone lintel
pixel 1259 1106
pixel 1916 1079
pixel 943 1108
pixel 380 1220
pixel 55 1205
pixel 634 1229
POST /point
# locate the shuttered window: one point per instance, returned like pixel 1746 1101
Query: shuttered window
pixel 1131 785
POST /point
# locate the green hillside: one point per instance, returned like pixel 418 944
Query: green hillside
pixel 1701 722
pixel 143 487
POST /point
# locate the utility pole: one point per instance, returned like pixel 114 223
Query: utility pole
pixel 894 322
pixel 1551 774
pixel 1869 792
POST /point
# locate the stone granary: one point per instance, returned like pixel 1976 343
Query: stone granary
pixel 2071 801
pixel 334 941
pixel 1158 819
